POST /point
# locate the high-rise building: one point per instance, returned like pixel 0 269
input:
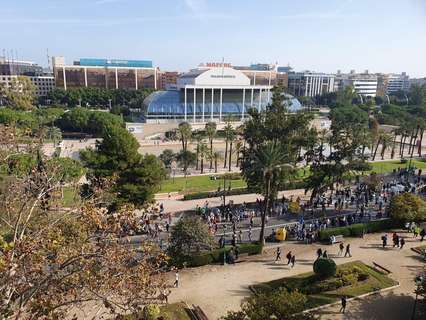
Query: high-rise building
pixel 167 79
pixel 392 83
pixel 310 84
pixel 105 73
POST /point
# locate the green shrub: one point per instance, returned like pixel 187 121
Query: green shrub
pixel 324 235
pixel 349 279
pixel 325 268
pixel 323 286
pixel 151 312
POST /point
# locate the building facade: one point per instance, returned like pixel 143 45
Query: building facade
pixel 42 84
pixel 364 84
pixel 104 73
pixel 310 84
pixel 19 68
pixel 167 80
pixel 210 94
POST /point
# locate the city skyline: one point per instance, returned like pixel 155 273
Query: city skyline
pixel 323 36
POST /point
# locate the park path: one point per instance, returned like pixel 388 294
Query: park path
pixel 218 289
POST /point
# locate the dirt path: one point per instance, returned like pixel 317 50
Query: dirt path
pixel 218 289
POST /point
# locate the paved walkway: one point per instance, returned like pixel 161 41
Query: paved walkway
pixel 218 289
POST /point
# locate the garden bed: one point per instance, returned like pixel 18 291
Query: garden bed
pixel 175 311
pixel 352 279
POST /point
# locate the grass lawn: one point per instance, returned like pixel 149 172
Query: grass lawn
pixel 388 166
pixel 198 184
pixel 374 282
pixel 175 311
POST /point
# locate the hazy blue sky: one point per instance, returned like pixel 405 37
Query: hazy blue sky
pixel 320 35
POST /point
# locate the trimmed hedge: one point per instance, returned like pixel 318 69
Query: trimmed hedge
pixel 216 256
pixel 356 230
pixel 325 267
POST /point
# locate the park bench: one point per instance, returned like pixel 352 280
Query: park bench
pixel 381 268
pixel 337 239
pixel 199 313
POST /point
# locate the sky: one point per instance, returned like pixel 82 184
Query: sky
pixel 319 35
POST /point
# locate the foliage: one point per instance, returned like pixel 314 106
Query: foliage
pixel 99 97
pixel 167 157
pixel 19 95
pixel 325 268
pixel 185 134
pixel 407 207
pixel 281 304
pixel 356 230
pixel 90 122
pixel 189 235
pixel 30 120
pixel 54 261
pixel 186 159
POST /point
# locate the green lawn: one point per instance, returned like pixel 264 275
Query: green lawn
pixel 174 311
pixel 374 282
pixel 193 184
pixel 388 166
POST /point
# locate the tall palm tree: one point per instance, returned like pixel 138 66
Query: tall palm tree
pixel 216 156
pixel 204 152
pixel 238 149
pixel 268 162
pixel 231 138
pixel 227 129
pixel 386 140
pixel 185 133
pixel 211 133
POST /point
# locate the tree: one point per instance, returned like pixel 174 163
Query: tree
pixel 417 94
pixel 186 159
pixel 278 304
pixel 345 96
pixel 216 157
pixel 266 173
pixel 211 133
pixel 139 183
pixel 185 133
pixel 189 235
pixel 229 135
pixel 204 152
pixel 52 262
pixel 20 94
pixel 324 267
pixel 167 157
pixel 407 207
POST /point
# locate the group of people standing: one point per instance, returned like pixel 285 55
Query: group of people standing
pixel 291 258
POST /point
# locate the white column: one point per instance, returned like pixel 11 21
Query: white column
pixel 136 79
pixel 260 99
pixel 212 104
pixel 254 78
pixel 251 101
pixel 306 85
pixel 85 77
pixel 155 78
pixel 204 102
pixel 116 78
pixel 220 105
pixel 244 101
pixel 195 103
pixel 65 78
pixel 185 103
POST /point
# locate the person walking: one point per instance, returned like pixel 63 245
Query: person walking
pixel 288 256
pixel 176 284
pixel 319 253
pixel 240 236
pixel 343 302
pixel 341 247
pixel 249 233
pixel 384 240
pixel 348 250
pixel 325 255
pixel 422 234
pixel 293 260
pixel 278 254
pixel 401 243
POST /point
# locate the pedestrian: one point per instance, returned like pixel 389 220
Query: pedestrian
pixel 384 240
pixel 249 233
pixel 319 253
pixel 176 284
pixel 288 256
pixel 422 234
pixel 278 254
pixel 240 236
pixel 348 250
pixel 343 307
pixel 402 242
pixel 325 255
pixel 167 227
pixel 236 252
pixel 341 247
pixel 293 260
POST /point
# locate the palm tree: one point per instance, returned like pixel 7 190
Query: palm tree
pixel 204 152
pixel 185 132
pixel 211 133
pixel 231 138
pixel 238 149
pixel 198 139
pixel 216 156
pixel 228 129
pixel 268 163
pixel 386 139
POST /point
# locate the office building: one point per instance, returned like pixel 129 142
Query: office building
pixel 42 84
pixel 211 94
pixel 167 80
pixel 418 81
pixel 105 73
pixel 310 84
pixel 10 67
pixel 364 84
pixel 392 83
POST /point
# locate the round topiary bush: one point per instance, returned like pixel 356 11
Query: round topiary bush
pixel 325 267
